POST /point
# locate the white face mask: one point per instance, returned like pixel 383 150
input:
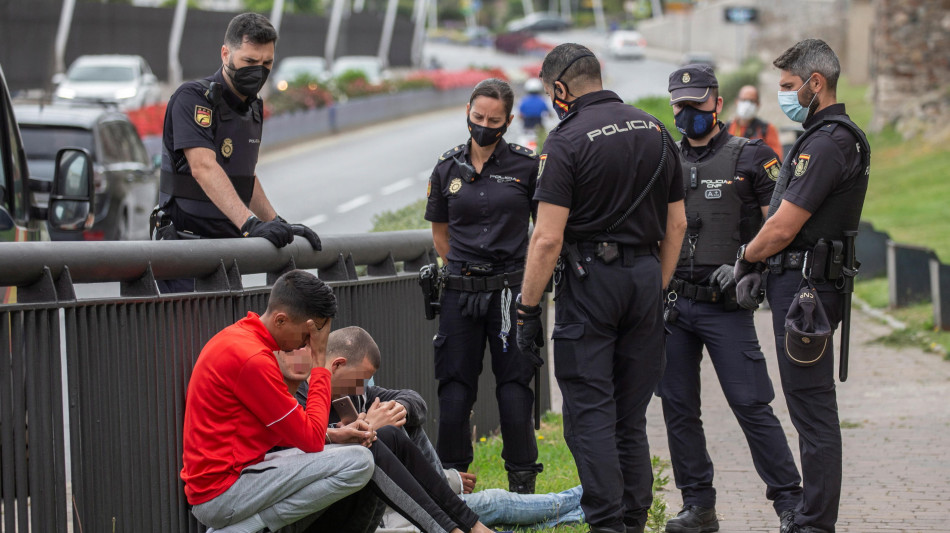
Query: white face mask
pixel 746 109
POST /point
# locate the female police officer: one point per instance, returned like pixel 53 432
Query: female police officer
pixel 479 201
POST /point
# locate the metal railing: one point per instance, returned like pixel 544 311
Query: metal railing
pixel 124 363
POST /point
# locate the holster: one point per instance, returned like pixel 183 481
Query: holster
pixel 161 227
pixel 430 281
pixel 571 256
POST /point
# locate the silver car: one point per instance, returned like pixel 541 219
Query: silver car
pixel 125 80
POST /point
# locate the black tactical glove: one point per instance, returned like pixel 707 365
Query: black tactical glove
pixel 723 277
pixel 474 304
pixel 278 232
pixel 749 290
pixel 305 232
pixel 530 332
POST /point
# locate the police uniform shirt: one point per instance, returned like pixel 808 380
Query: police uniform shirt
pixel 487 217
pixel 825 161
pixel 598 160
pixel 756 172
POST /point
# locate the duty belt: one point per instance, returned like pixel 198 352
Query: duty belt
pixel 699 293
pixel 484 283
pixel 608 251
pixel 786 260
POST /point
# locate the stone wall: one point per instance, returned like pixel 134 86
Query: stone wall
pixel 911 67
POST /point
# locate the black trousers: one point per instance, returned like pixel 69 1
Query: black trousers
pixel 812 406
pixel 734 350
pixel 408 483
pixel 608 357
pixel 459 352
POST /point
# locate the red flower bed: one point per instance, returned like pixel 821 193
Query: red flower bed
pixel 456 79
pixel 148 120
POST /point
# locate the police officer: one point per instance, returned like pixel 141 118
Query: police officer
pixel 608 192
pixel 728 182
pixel 210 144
pixel 479 203
pixel 818 198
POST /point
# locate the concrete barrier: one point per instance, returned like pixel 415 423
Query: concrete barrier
pixel 871 247
pixel 908 273
pixel 940 293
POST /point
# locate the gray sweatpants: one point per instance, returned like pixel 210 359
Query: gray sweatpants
pixel 288 486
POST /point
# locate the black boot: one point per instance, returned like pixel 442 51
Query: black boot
pixel 694 519
pixel 522 481
pixel 787 521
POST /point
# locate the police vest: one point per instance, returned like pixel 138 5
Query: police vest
pixel 234 152
pixel 839 212
pixel 713 207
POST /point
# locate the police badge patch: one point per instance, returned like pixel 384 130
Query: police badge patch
pixel 772 168
pixel 202 116
pixel 227 148
pixel 802 165
pixel 541 160
pixel 455 186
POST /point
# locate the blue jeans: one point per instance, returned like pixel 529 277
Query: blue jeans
pixel 498 506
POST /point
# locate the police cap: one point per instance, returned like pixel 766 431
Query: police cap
pixel 691 83
pixel 807 329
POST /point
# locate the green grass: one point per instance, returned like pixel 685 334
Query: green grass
pixel 920 330
pixel 559 474
pixel 409 217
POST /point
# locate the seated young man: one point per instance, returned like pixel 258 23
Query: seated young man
pixel 352 358
pixel 238 407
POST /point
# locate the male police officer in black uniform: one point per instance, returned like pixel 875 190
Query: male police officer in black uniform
pixel 479 203
pixel 608 328
pixel 818 198
pixel 728 182
pixel 210 145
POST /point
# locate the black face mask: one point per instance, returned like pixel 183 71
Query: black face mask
pixel 484 136
pixel 249 80
pixel 694 123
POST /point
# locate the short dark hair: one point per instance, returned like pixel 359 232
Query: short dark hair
pixel 810 56
pixel 583 71
pixel 302 296
pixel 251 27
pixel 354 344
pixel 497 89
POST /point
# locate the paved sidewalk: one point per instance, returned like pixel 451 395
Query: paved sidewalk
pixel 895 412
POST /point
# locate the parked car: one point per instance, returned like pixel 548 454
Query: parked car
pixel 122 79
pixel 539 21
pixel 295 68
pixel 370 66
pixel 21 216
pixel 125 179
pixel 625 44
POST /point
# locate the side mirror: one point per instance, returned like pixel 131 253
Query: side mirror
pixel 71 200
pixel 58 78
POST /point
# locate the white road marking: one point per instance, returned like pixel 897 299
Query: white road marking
pixel 313 221
pixel 354 203
pixel 398 186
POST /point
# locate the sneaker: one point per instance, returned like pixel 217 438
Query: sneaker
pixel 787 521
pixel 694 519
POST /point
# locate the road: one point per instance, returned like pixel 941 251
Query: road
pixel 337 184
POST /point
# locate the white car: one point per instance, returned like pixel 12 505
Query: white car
pixel 293 68
pixel 125 80
pixel 370 66
pixel 625 44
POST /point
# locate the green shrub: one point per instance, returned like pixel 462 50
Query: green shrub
pixel 409 217
pixel 659 107
pixel 731 82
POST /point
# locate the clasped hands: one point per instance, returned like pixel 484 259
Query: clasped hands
pixel 749 279
pixel 363 430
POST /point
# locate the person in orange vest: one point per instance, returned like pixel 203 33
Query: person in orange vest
pixel 748 125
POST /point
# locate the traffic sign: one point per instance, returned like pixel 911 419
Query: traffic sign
pixel 741 14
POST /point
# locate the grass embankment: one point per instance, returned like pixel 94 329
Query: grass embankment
pixel 907 197
pixel 559 474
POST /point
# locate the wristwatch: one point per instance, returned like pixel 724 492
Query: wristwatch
pixel 740 255
pixel 529 309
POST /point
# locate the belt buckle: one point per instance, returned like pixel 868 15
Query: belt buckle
pixel 608 252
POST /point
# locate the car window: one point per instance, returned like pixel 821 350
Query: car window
pixel 42 142
pixel 115 146
pixel 133 142
pixel 101 73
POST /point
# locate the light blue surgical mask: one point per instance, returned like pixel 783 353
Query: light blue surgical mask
pixel 788 101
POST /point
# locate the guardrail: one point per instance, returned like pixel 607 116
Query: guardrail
pixel 92 391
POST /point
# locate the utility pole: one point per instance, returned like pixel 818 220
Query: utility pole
pixel 385 41
pixel 62 35
pixel 599 20
pixel 174 43
pixel 528 6
pixel 333 34
pixel 566 9
pixel 277 14
pixel 419 35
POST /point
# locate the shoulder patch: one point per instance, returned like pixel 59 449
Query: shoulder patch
pixel 772 168
pixel 518 149
pixel 203 116
pixel 449 153
pixel 802 166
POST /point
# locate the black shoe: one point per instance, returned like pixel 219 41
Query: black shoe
pixel 522 481
pixel 787 521
pixel 694 519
